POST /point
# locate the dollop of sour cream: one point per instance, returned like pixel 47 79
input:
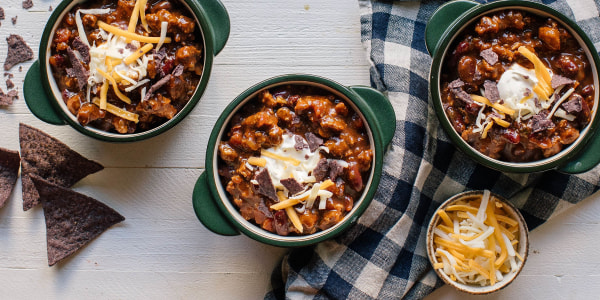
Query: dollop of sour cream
pixel 515 85
pixel 280 169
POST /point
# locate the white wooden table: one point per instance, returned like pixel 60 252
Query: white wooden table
pixel 161 250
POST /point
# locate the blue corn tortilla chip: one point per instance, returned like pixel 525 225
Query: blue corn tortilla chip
pixel 9 171
pixel 50 159
pixel 292 185
pixel 18 50
pixel 265 184
pixel 314 142
pixel 72 219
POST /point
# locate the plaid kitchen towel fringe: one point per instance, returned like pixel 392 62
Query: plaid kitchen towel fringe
pixel 383 255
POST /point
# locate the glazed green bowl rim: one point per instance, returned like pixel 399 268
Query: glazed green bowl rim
pixel 523 245
pixel 250 229
pixel 447 39
pixel 54 93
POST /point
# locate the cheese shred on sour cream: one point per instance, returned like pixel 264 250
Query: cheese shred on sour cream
pixel 475 241
pixel 284 161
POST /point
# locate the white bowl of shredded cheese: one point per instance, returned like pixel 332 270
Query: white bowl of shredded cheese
pixel 477 242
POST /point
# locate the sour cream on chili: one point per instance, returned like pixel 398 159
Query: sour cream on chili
pixel 516 90
pixel 283 169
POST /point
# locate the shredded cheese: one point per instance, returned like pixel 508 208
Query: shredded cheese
pixel 138 84
pixel 561 113
pixel 497 106
pixel 118 111
pixel 445 218
pixel 143 15
pixel 285 203
pixel 501 122
pixel 118 74
pixel 266 153
pixel 486 129
pixel 129 35
pixel 293 216
pixel 541 72
pixel 163 34
pixel 325 184
pixel 103 93
pixel 138 53
pixel 115 87
pixel 524 99
pixel 257 161
pixel 79 22
pixel 314 192
pixel 481 250
pixel 134 17
pixel 560 101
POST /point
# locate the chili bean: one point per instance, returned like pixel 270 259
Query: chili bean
pixel 568 65
pixel 456 118
pixel 281 223
pixel 466 68
pixel 354 177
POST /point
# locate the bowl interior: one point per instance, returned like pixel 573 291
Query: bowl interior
pixel 72 119
pixel 533 8
pixel 255 230
pixel 522 248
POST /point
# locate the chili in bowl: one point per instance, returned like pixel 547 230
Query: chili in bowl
pixel 294 160
pixel 125 70
pixel 515 85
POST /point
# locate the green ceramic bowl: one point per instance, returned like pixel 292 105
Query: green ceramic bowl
pixel 219 214
pixel 44 98
pixel 448 22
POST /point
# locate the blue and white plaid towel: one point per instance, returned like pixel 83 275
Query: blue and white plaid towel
pixel 384 256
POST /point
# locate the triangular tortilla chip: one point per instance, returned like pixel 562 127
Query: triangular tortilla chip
pixel 50 159
pixel 72 219
pixel 9 171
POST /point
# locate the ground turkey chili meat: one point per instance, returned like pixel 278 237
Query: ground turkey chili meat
pixel 116 72
pixel 294 159
pixel 517 87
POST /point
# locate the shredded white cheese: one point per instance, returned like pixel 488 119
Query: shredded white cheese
pixel 560 101
pixel 79 22
pixel 561 113
pixel 163 34
pixel 138 84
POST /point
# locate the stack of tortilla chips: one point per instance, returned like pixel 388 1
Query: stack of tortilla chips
pixel 49 168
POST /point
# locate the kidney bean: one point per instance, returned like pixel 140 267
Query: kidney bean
pixel 354 177
pixel 466 68
pixel 281 223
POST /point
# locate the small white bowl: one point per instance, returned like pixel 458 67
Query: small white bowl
pixel 522 249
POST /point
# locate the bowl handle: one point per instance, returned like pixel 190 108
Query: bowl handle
pixel 207 211
pixel 441 20
pixel 382 108
pixel 218 18
pixel 586 159
pixel 36 98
